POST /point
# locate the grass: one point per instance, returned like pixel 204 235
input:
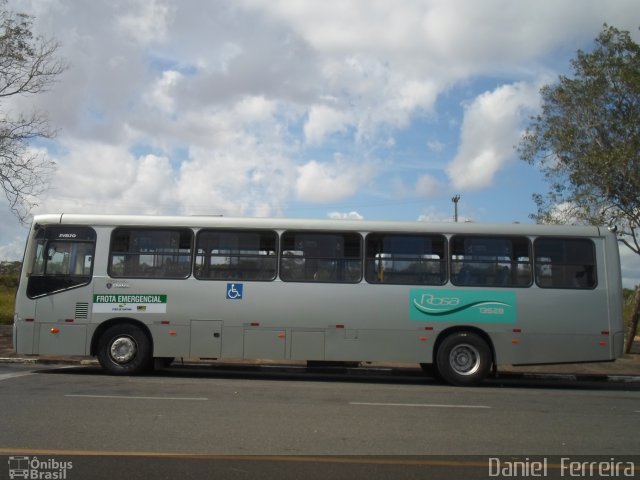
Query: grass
pixel 9 273
pixel 7 300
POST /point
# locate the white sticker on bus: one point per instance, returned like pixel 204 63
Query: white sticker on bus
pixel 117 303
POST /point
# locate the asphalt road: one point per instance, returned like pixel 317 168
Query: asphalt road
pixel 193 422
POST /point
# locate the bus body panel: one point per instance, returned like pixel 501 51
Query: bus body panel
pixel 611 265
pixel 205 339
pixel 63 319
pixel 196 318
pixel 358 326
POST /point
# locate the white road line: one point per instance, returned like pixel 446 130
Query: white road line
pixel 124 397
pixel 7 376
pixel 424 405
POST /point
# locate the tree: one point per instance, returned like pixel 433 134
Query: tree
pixel 28 66
pixel 586 141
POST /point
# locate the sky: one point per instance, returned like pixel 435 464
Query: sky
pixel 373 109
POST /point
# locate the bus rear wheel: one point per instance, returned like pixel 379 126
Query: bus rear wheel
pixel 124 349
pixel 463 359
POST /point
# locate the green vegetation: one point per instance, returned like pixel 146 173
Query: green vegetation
pixel 7 298
pixel 586 142
pixel 9 274
pixel 629 296
pixel 628 303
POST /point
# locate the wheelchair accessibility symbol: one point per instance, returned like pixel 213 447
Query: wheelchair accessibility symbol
pixel 234 291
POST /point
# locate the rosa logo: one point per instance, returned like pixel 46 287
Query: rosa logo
pixel 460 305
pixel 428 299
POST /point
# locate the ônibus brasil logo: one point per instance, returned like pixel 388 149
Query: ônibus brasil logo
pixel 35 468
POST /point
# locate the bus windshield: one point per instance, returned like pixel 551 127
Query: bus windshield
pixel 63 259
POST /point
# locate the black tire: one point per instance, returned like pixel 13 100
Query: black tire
pixel 463 359
pixel 124 349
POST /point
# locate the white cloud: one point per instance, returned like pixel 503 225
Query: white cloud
pixel 147 21
pixel 91 171
pixel 252 109
pixel 345 216
pixel 153 187
pixel 111 181
pixel 161 96
pixel 490 130
pixel 414 94
pixel 432 214
pixel 374 97
pixel 630 263
pixel 245 181
pixel 323 182
pixel 425 186
pixel 324 120
pixel 13 245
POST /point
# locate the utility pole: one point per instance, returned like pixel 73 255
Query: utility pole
pixel 455 200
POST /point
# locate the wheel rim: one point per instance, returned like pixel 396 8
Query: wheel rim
pixel 464 359
pixel 123 349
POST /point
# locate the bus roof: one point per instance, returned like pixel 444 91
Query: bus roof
pixel 317 224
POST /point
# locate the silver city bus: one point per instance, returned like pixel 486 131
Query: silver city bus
pixel 135 291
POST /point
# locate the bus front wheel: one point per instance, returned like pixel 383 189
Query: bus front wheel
pixel 124 350
pixel 463 359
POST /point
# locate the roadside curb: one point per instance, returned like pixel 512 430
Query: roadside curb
pixel 360 371
pixel 47 361
pixel 571 377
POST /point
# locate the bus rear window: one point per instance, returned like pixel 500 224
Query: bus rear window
pixel 565 263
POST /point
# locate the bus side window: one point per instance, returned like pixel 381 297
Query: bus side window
pixel 236 255
pixel 321 257
pixel 484 261
pixel 150 253
pixel 409 259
